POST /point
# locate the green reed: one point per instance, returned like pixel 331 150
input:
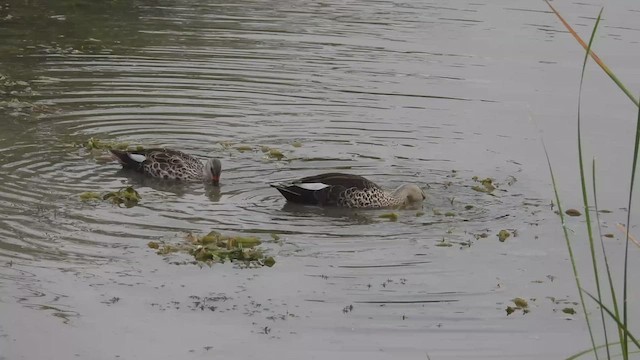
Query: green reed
pixel 621 319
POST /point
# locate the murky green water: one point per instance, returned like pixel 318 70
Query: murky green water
pixel 427 92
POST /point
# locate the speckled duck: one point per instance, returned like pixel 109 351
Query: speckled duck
pixel 346 190
pixel 169 164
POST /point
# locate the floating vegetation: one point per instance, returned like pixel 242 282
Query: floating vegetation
pixel 520 304
pixel 449 214
pixel 296 144
pixel 275 154
pixel 608 235
pixel 468 207
pixel 127 197
pixel 275 236
pixel 503 235
pixel 444 243
pixel 486 185
pixel 573 212
pixel 391 216
pixel 568 310
pixel 243 148
pixel 90 195
pixel 217 248
pixel 97 144
pixel 419 213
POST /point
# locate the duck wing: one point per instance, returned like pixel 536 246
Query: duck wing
pixel 347 181
pixel 136 159
pixel 323 189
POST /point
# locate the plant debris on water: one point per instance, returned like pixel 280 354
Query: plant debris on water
pixel 568 310
pixel 520 304
pixel 217 248
pixel 127 197
pixel 391 216
pixel 573 212
pixel 97 144
pixel 486 185
pixel 503 235
pixel 275 154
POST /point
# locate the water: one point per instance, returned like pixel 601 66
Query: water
pixel 433 93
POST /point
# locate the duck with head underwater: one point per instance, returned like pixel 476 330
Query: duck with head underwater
pixel 347 190
pixel 169 164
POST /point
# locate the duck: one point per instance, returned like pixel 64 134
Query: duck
pixel 169 164
pixel 347 190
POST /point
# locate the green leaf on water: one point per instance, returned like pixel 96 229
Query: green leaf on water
pixel 503 235
pixel 450 214
pixel 419 213
pixel 568 310
pixel 296 144
pixel 391 216
pixel 510 310
pixel 521 303
pixel 243 148
pixel 153 245
pixel 573 212
pixel 269 261
pixel 90 195
pixel 275 237
pixel 276 154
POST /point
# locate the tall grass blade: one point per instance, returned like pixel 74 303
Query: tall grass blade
pixel 595 57
pixel 624 328
pixel 589 351
pixel 626 248
pixel 606 264
pixel 583 183
pixel 576 276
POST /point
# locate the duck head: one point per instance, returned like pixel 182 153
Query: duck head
pixel 212 170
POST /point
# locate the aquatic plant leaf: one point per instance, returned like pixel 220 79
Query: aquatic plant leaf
pixel 521 303
pixel 510 310
pixel 90 195
pixel 269 261
pixel 296 144
pixel 275 237
pixel 153 245
pixel 573 212
pixel 243 148
pixel 568 310
pixel 276 154
pixel 390 216
pixel 503 235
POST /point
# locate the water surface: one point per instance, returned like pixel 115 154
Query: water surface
pixel 428 92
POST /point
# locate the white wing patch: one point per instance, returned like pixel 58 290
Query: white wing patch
pixel 137 157
pixel 312 186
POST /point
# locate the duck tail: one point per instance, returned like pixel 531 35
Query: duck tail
pixel 125 159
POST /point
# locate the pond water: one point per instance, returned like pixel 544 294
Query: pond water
pixel 435 93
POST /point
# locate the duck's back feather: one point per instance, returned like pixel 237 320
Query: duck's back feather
pixel 324 189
